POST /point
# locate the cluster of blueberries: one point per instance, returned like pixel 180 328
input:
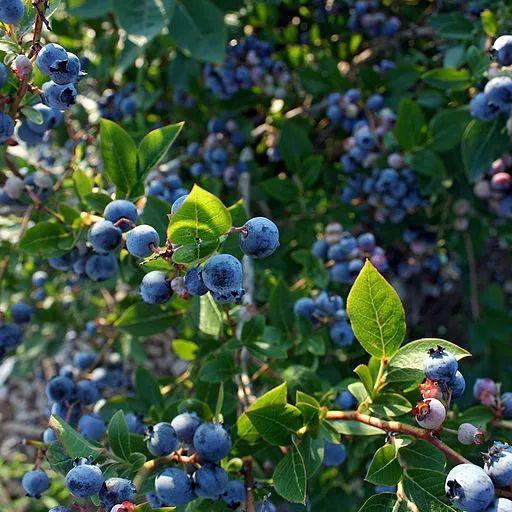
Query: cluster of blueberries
pixel 165 183
pixel 221 275
pixel 345 254
pixel 11 333
pixel 327 310
pixel 34 186
pixel 222 154
pixel 496 186
pixel 487 392
pixel 496 97
pixel 248 63
pixel 367 18
pixel 120 104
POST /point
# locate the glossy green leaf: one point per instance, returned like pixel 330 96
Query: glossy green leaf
pixel 276 423
pixel 73 443
pixel 47 239
pixel 119 436
pixel 384 468
pixel 290 477
pixel 144 320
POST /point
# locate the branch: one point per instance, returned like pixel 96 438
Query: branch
pixel 396 426
pixel 249 485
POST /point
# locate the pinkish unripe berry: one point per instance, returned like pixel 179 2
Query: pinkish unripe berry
pixel 395 160
pixel 469 434
pixel 22 66
pixel 333 232
pixel 482 189
pixel 430 413
pixel 178 287
pixel 13 187
pixel 430 389
pixel 485 391
pixel 501 181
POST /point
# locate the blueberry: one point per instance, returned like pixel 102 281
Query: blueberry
pixel 366 242
pixel 506 403
pixel 485 391
pixel 440 365
pixel 328 304
pixel 176 205
pixel 185 425
pixel 60 508
pixel 499 93
pixel 210 481
pixel 480 108
pixel 319 249
pixel 457 385
pixel 375 102
pixel 174 487
pixel 260 239
pixel 84 360
pixel 116 490
pixel 155 288
pixel 163 439
pixel 223 272
pixel 469 434
pixel 430 413
pixel 35 482
pixel 141 240
pixel 21 313
pixel 70 413
pixel 86 392
pixel 100 267
pixel 498 464
pixel 153 500
pixel 50 119
pixel 341 334
pixel 48 55
pixel 212 442
pixel 469 488
pixel 135 423
pixel 4 76
pixel 234 494
pixel 60 97
pixel 84 480
pixel 345 401
pixel 6 127
pixel 334 454
pixel 49 436
pixel 104 236
pixel 194 282
pixel 60 389
pixel 500 505
pixel 265 506
pixel 66 71
pixel 121 209
pixel 92 426
pixel 304 307
pixel 502 50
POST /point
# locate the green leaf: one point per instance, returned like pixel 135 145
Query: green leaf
pixel 154 146
pixel 147 388
pixel 201 218
pixel 252 330
pixel 482 143
pixel 119 157
pixel 448 78
pixel 355 428
pixel 48 239
pixel 489 22
pixel 58 459
pixel 82 183
pixel 407 363
pixel 425 488
pixel 382 502
pixel 184 349
pixel 410 125
pixel 32 114
pixel 119 436
pixel 198 28
pixel 290 477
pixel 280 307
pixel 312 451
pixel 390 405
pixel 376 313
pixel 276 423
pixel 294 146
pixel 447 127
pixel 210 318
pixel 155 214
pixel 195 252
pixel 74 443
pixel 366 377
pixel 385 468
pixel 421 455
pixel 144 320
pixel 218 369
pixel 478 415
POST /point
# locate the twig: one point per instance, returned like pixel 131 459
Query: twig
pixel 249 485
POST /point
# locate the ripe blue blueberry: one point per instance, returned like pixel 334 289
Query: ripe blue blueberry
pixel 440 365
pixel 210 481
pixel 319 249
pixel 498 464
pixel 155 288
pixel 86 392
pixel 469 488
pixel 265 506
pixel 60 508
pixel 502 50
pixel 328 304
pixel 70 413
pixel 345 401
pixel 174 487
pixel 457 385
pixel 58 96
pixel 60 389
pixel 116 490
pixel 234 494
pixel 121 209
pixel 304 306
pixel 4 76
pixel 176 205
pixel 260 239
pixel 104 236
pixel 153 500
pixel 334 454
pixel 27 135
pixel 92 426
pixel 66 71
pixel 21 313
pixel 39 278
pixel 49 436
pixel 35 482
pixel 194 282
pixel 6 127
pixel 141 240
pixel 342 334
pixel 500 505
pixel 10 336
pixel 506 403
pixel 84 360
pixel 100 267
pixel 480 108
pixel 223 272
pixel 135 423
pixel 162 439
pixel 50 119
pixel 499 93
pixel 212 441
pixel 185 425
pixel 84 480
pixel 48 55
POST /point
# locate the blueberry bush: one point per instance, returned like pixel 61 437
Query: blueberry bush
pixel 255 255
